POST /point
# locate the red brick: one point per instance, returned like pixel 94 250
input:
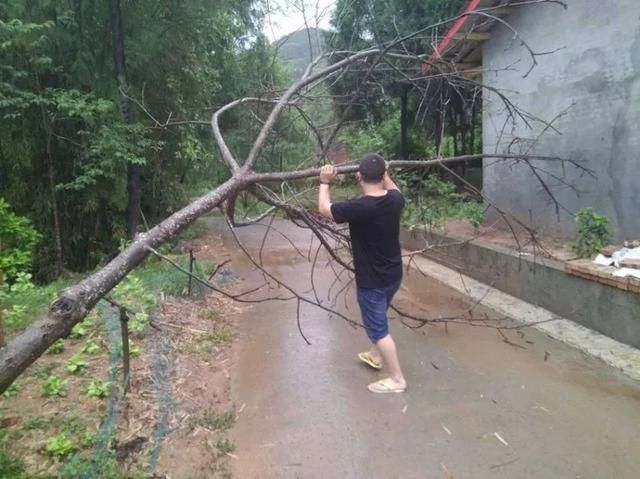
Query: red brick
pixel 609 250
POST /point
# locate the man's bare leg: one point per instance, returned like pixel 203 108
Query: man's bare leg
pixel 375 354
pixel 387 348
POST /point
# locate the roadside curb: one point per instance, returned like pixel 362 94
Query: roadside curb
pixel 614 353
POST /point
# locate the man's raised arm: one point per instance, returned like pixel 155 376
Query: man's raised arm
pixel 327 174
pixel 388 183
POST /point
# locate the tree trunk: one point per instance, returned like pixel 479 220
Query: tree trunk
pixel 404 120
pixel 134 172
pixel 75 302
pixel 57 236
pixel 2 338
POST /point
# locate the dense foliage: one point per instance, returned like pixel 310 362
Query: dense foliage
pixel 436 116
pixel 592 232
pixel 66 139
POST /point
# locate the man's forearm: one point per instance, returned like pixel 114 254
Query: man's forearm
pixel 389 183
pixel 324 200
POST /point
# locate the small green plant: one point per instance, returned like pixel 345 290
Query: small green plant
pixel 88 439
pixel 225 446
pixel 59 446
pixel 12 467
pixel 54 386
pixel 216 336
pixel 40 423
pixel 78 331
pixel 134 349
pixel 592 232
pixel 102 465
pixel 215 422
pixel 91 347
pixel 76 365
pixel 139 322
pixel 11 390
pixel 433 201
pixel 98 389
pixel 57 347
pixel 18 238
pixel 15 316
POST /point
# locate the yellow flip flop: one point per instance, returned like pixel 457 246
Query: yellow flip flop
pixel 366 358
pixel 386 385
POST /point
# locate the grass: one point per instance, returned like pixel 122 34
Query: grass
pixel 216 336
pixel 39 423
pixel 159 276
pixel 215 422
pixel 22 307
pixel 12 467
pixel 225 446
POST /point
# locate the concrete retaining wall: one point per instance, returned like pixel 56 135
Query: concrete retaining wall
pixel 539 281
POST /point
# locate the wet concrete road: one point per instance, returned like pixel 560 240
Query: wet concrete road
pixel 476 407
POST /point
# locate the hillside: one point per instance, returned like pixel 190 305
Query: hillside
pixel 293 49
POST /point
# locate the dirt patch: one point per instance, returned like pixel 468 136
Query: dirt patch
pixel 519 240
pixel 175 418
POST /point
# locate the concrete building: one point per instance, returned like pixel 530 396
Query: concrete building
pixel 578 69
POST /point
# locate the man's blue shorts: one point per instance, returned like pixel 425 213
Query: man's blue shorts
pixel 374 303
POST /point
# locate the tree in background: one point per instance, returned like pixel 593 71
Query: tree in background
pixel 439 118
pixel 93 96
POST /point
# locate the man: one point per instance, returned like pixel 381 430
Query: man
pixel 374 225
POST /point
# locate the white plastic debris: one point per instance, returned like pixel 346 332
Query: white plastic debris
pixel 603 260
pixel 617 257
pixel 626 272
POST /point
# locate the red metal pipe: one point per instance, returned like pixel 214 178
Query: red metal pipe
pixel 455 28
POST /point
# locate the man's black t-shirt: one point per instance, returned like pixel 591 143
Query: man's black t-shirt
pixel 374 223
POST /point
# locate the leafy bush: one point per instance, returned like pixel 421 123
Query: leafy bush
pixel 592 232
pixel 432 201
pixel 91 347
pixel 98 389
pixel 24 301
pixel 59 446
pixel 76 365
pixel 18 238
pixel 57 347
pixel 54 386
pixel 12 467
pixel 11 390
pixel 103 465
pixel 78 331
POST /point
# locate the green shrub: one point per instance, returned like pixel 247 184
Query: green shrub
pixel 23 301
pixel 592 232
pixel 76 365
pixel 57 347
pixel 78 331
pixel 431 201
pixel 103 466
pixel 18 238
pixel 54 386
pixel 59 446
pixel 91 347
pixel 98 389
pixel 12 467
pixel 11 390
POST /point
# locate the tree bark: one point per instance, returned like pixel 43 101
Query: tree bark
pixel 404 120
pixel 57 235
pixel 75 302
pixel 134 172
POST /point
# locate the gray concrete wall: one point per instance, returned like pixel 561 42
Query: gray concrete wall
pixel 608 310
pixel 593 83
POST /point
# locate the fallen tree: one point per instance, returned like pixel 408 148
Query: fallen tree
pixel 74 303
